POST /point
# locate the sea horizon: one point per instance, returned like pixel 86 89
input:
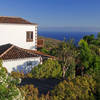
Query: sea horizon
pixel 77 36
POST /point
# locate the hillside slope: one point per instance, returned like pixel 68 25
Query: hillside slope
pixel 49 42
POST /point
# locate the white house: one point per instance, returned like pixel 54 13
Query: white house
pixel 18 44
pixel 18 31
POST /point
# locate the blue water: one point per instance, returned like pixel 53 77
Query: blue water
pixel 68 35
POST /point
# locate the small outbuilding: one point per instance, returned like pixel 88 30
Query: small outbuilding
pixel 18 59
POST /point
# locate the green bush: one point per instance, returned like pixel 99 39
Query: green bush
pixel 29 92
pixel 8 89
pixel 98 36
pixel 80 88
pixel 17 75
pixel 49 69
pixel 44 50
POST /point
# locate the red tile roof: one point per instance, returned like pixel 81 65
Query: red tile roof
pixel 14 20
pixel 10 51
pixel 14 52
pixel 41 54
pixel 3 48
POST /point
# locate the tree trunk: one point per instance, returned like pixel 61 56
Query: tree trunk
pixel 64 71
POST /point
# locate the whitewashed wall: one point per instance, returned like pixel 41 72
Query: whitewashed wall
pixel 16 34
pixel 22 65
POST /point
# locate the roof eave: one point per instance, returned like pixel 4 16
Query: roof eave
pixel 21 24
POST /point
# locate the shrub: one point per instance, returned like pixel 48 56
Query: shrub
pixel 50 69
pixel 29 92
pixel 8 89
pixel 80 88
pixel 17 74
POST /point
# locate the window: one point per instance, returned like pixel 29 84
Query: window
pixel 29 36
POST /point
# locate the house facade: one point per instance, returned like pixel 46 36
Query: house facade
pixel 19 32
pixel 18 45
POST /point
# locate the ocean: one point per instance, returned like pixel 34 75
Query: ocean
pixel 68 35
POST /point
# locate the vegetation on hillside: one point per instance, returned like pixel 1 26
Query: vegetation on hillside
pixel 78 68
pixel 80 88
pixel 50 45
pixel 50 69
pixel 8 89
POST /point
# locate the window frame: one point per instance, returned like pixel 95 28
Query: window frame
pixel 29 36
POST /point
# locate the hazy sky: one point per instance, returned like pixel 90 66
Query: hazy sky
pixel 55 13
